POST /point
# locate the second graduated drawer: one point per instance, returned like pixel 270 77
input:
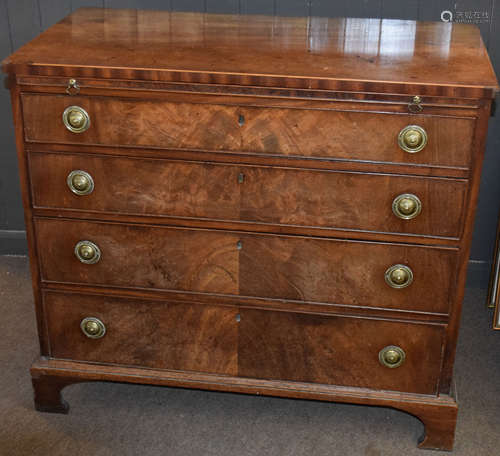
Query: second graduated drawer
pixel 251 194
pixel 293 268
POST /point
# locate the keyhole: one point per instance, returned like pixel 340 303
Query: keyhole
pixel 241 120
pixel 238 318
pixel 241 178
pixel 239 245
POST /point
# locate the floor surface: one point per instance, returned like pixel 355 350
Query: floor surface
pixel 118 419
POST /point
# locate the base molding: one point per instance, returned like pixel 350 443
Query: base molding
pixel 438 414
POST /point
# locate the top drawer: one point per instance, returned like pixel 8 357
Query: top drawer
pixel 285 131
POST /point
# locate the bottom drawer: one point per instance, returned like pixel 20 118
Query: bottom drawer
pixel 245 342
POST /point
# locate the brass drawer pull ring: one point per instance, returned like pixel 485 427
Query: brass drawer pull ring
pixel 76 119
pixel 80 182
pixel 399 276
pixel 406 206
pixel 93 328
pixel 87 252
pixel 412 139
pixel 392 356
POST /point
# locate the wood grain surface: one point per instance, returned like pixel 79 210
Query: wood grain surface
pixel 429 57
pixel 352 273
pixel 283 346
pixel 351 201
pixel 250 194
pixel 267 266
pixel 437 413
pixel 338 350
pixel 153 334
pixel 319 133
pixel 133 186
pixel 234 124
pixel 142 256
pixel 138 186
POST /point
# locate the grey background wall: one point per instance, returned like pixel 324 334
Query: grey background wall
pixel 22 20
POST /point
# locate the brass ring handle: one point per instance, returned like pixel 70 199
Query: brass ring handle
pixel 80 182
pixel 76 119
pixel 87 252
pixel 93 327
pixel 392 356
pixel 399 276
pixel 406 206
pixel 412 139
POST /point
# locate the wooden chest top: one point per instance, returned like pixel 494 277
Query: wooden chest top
pixel 362 55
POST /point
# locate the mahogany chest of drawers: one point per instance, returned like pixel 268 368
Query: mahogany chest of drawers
pixel 251 204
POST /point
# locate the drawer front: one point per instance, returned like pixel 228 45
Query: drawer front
pixel 266 266
pixel 327 199
pixel 294 132
pixel 145 333
pixel 338 350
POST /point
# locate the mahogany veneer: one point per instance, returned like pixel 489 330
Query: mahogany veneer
pixel 320 132
pixel 233 263
pixel 277 196
pixel 228 216
pixel 208 338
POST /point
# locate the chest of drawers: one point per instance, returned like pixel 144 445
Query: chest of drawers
pixel 252 204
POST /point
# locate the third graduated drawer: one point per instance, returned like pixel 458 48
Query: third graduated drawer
pixel 240 265
pixel 284 197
